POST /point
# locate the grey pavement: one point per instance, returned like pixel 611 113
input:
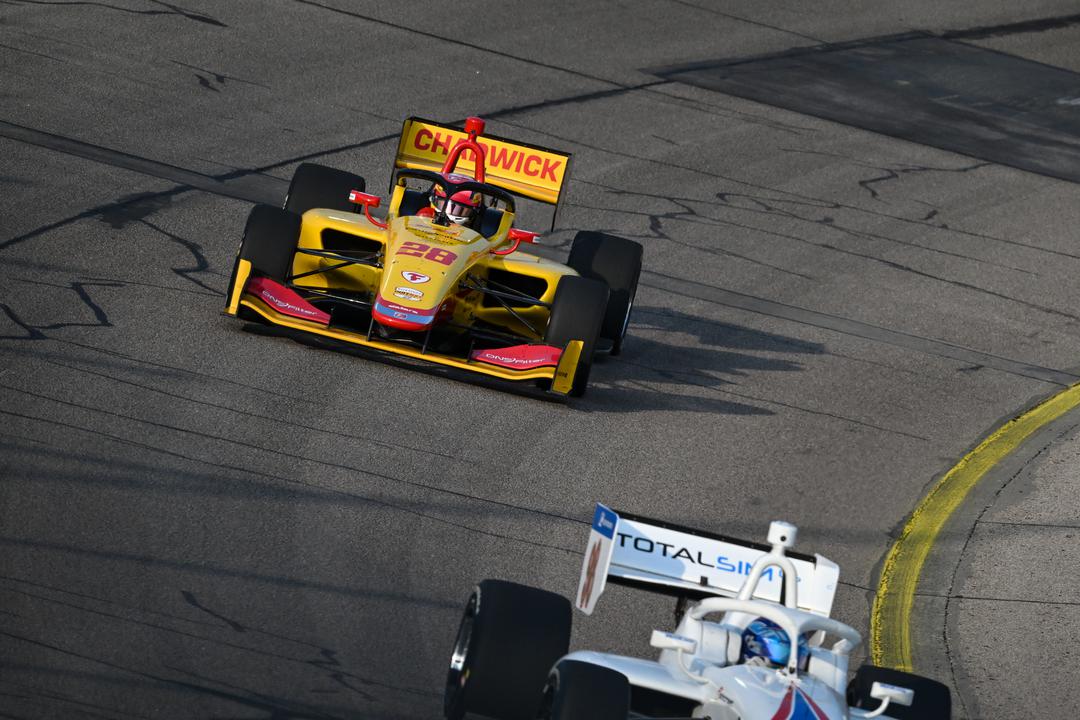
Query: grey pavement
pixel 201 521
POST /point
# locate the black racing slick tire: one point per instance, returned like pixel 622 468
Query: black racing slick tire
pixel 510 637
pixel 577 313
pixel 582 691
pixel 270 239
pixel 616 262
pixel 318 186
pixel 932 699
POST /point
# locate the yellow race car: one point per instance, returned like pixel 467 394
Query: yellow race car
pixel 442 278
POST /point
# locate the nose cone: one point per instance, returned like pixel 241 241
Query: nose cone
pixel 424 262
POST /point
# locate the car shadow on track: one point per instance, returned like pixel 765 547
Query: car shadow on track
pixel 661 369
pixel 650 374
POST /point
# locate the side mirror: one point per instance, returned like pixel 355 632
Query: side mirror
pixel 520 236
pixel 893 693
pixel 670 641
pixel 363 198
pixel 368 201
pixel 516 237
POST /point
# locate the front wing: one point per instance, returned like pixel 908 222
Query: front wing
pixel 246 292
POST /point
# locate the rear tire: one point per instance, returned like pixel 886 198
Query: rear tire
pixel 509 638
pixel 932 699
pixel 577 313
pixel 582 691
pixel 318 186
pixel 616 262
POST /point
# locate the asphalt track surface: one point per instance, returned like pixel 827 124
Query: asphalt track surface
pixel 202 521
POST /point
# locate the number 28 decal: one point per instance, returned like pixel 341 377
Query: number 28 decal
pixel 418 249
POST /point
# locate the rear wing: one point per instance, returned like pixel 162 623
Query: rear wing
pixel 527 170
pixel 660 557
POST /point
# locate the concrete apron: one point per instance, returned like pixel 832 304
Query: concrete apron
pixel 997 612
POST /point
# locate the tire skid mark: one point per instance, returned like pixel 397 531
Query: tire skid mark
pixel 173 10
pixel 688 215
pixel 274 707
pixel 217 571
pixel 793 196
pixel 174 369
pixel 220 77
pixel 925 379
pixel 125 282
pixel 442 38
pixel 323 652
pixel 276 420
pixel 183 370
pixel 655 222
pixel 748 21
pixel 771 207
pixel 725 111
pixel 889 174
pixel 104 601
pixel 292 456
pixel 319 489
pixel 37 694
pixel 188 597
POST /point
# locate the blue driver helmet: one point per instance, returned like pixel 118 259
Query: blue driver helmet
pixel 764 639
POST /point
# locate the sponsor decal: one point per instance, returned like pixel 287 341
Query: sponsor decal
pixel 408 293
pixel 634 542
pixel 414 277
pixel 604 521
pixel 509 158
pixel 286 301
pixel 520 357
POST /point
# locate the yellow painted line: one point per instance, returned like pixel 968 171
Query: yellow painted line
pixel 890 631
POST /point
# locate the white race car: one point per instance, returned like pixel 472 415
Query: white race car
pixel 742 607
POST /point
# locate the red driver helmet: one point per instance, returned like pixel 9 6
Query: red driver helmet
pixel 463 204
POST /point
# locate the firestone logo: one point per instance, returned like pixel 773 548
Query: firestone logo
pixel 414 277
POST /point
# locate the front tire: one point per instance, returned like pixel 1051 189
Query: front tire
pixel 932 699
pixel 582 691
pixel 616 262
pixel 270 239
pixel 577 313
pixel 319 186
pixel 509 638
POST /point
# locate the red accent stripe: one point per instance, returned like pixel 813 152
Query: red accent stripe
pixel 813 706
pixel 785 707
